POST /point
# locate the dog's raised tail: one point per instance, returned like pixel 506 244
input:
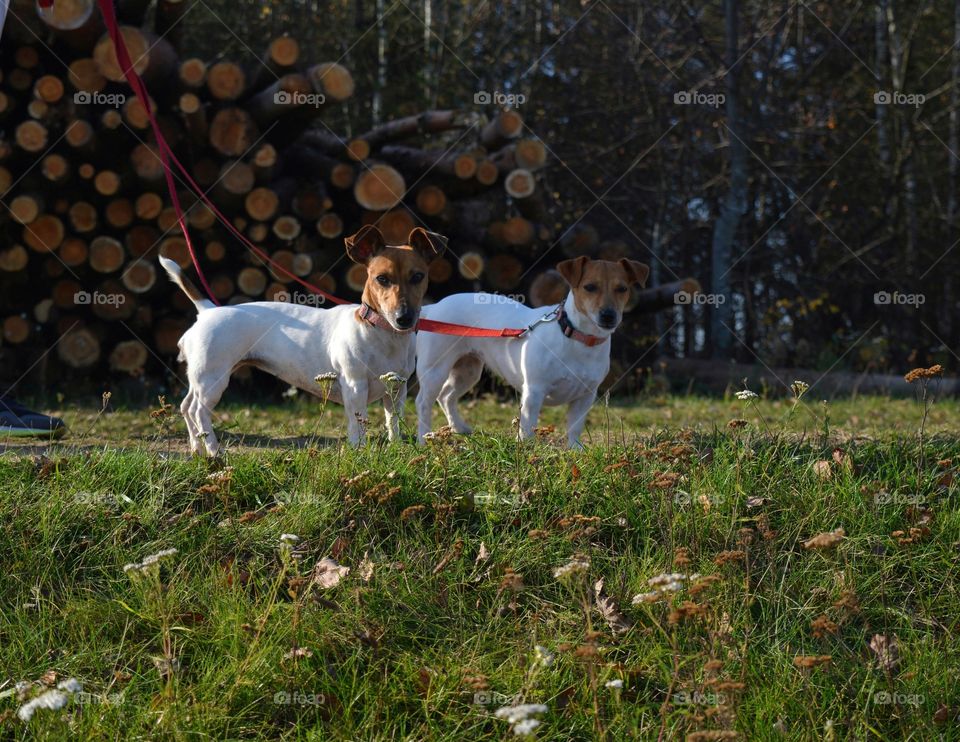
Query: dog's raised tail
pixel 192 292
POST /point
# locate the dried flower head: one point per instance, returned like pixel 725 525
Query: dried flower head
pixel 809 661
pixel 923 373
pixel 822 625
pixel 825 540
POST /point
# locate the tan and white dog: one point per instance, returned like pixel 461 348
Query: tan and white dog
pixel 561 361
pixel 297 343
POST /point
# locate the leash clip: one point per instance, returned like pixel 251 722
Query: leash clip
pixel 548 317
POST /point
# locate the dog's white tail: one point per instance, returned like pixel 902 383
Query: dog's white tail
pixel 192 292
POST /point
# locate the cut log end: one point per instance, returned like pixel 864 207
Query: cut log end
pixel 44 234
pixel 139 276
pixel 379 188
pixel 129 356
pixel 105 55
pixel 286 228
pixel 261 204
pixel 79 348
pixel 232 132
pixel 471 265
pixel 520 183
pixel 356 277
pixel 548 289
pixel 106 254
pixel 226 81
pixel 431 200
pixel 330 226
pixel 284 51
pixel 332 79
pixel 31 136
pixel 14 259
pixel 252 281
pixel 16 329
pixel 193 72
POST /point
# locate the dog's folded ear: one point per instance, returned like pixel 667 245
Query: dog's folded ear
pixel 363 245
pixel 636 272
pixel 572 270
pixel 428 244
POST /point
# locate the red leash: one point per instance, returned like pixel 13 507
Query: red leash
pixel 167 156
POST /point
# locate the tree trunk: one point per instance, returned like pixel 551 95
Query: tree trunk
pixel 953 139
pixel 735 203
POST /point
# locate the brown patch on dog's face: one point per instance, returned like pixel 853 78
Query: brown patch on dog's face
pixel 397 276
pixel 601 288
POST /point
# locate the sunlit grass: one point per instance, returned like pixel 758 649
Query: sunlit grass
pixel 452 551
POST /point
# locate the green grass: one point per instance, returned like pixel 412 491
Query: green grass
pixel 422 627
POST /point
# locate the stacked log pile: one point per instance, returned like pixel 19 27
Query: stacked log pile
pixel 87 210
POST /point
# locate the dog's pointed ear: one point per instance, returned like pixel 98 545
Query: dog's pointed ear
pixel 428 244
pixel 363 245
pixel 636 271
pixel 572 270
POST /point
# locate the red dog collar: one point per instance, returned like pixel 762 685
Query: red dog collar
pixel 369 315
pixel 573 333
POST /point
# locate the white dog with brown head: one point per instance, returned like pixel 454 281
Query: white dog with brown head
pixel 561 361
pixel 297 343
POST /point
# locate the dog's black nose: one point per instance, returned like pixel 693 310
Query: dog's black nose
pixel 405 320
pixel 608 317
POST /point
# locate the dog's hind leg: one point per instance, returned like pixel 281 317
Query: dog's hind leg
pixel 461 379
pixel 577 417
pixel 186 407
pixel 431 381
pixel 209 387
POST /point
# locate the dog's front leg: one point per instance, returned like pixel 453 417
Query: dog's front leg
pixel 393 409
pixel 531 400
pixel 355 394
pixel 577 417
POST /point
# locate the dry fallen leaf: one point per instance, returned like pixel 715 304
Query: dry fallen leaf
pixel 886 650
pixel 328 573
pixel 618 623
pixel 823 469
pixel 483 555
pixel 366 567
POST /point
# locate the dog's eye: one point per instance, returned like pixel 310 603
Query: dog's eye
pixel 590 288
pixel 416 278
pixel 621 289
pixel 383 280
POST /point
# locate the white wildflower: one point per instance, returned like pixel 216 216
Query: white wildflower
pixel 70 685
pixel 520 712
pixel 525 727
pixel 150 564
pixel 799 388
pixel 51 700
pixel 746 395
pixel 575 566
pixel 392 381
pixel 328 376
pixel 618 684
pixel 291 392
pixel 663 584
pixel 543 655
pixel 289 538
